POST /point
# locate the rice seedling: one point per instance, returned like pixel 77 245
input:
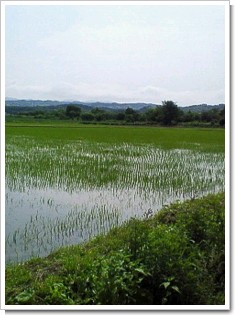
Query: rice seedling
pixel 62 191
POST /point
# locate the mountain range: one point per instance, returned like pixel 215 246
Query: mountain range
pixel 112 106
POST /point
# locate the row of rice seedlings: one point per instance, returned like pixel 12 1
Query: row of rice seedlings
pixel 46 234
pixel 127 202
pixel 127 172
pixel 191 171
pixel 75 168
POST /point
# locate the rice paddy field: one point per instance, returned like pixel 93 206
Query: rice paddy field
pixel 67 183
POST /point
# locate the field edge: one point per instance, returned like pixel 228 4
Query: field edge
pixel 175 257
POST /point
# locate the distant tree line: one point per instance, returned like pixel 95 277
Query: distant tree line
pixel 168 114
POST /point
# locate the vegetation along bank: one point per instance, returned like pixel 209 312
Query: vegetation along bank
pixel 176 257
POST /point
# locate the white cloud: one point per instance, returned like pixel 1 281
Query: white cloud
pixel 117 93
pixel 133 54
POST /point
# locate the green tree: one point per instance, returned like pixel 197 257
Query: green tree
pixel 154 115
pixel 170 113
pixel 150 115
pixel 73 111
pixel 120 116
pixel 131 115
pixel 189 116
pixel 99 114
pixel 87 116
pixel 222 117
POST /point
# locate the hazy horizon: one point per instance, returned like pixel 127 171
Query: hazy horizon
pixel 102 102
pixel 116 53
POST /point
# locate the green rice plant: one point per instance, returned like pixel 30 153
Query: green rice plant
pixel 66 185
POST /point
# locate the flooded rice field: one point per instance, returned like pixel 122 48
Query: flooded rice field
pixel 65 192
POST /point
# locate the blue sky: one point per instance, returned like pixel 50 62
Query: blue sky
pixel 117 53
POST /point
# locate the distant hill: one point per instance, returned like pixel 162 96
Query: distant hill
pixel 88 105
pixel 15 105
pixel 10 99
pixel 32 103
pixel 202 108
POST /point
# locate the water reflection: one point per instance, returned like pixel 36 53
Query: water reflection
pixel 60 194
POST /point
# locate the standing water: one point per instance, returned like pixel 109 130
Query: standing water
pixel 62 193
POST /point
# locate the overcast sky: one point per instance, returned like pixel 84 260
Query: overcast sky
pixel 116 53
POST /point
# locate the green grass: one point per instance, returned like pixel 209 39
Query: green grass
pixel 174 258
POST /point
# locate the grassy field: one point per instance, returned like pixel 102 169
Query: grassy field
pixel 174 258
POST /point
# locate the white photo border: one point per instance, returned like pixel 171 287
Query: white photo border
pixel 227 161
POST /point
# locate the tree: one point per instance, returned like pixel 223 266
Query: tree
pixel 130 111
pixel 150 115
pixel 170 113
pixel 222 117
pixel 73 111
pixel 99 114
pixel 190 116
pixel 131 115
pixel 120 116
pixel 87 116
